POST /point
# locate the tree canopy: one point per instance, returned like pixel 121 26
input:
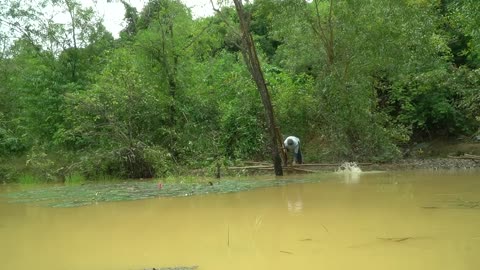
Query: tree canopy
pixel 355 80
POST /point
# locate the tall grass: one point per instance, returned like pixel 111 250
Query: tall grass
pixel 28 179
pixel 75 179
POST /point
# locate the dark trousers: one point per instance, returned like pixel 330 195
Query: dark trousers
pixel 298 157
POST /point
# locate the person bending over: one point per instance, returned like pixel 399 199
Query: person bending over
pixel 292 144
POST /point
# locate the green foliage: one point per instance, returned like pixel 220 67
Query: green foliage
pixel 123 114
pixel 466 84
pixel 165 12
pixel 40 166
pixel 428 103
pixel 33 83
pixel 10 143
pixel 352 127
pixel 355 81
pixel 131 17
pixel 295 101
pixel 7 173
pixel 462 20
pixel 359 113
pixel 224 112
pixel 243 136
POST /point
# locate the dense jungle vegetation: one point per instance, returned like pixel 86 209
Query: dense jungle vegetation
pixel 355 80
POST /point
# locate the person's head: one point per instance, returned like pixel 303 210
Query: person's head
pixel 290 142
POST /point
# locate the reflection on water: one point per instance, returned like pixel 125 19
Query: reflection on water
pixel 399 221
pixel 295 206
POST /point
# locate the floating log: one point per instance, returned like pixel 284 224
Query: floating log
pixel 327 164
pixel 251 167
pixel 173 268
pixel 266 169
pixel 257 163
pixel 301 170
pixel 270 167
pixel 288 169
pixel 315 165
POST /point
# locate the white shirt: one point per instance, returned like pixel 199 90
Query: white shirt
pixel 295 146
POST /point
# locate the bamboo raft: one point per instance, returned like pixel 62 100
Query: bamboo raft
pixel 308 167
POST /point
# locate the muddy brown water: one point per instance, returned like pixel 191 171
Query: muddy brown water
pixel 402 220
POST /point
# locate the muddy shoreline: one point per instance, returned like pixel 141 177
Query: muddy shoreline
pixel 453 163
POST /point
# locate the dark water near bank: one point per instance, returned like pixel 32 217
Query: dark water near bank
pixel 401 220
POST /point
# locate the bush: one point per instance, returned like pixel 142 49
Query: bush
pixel 353 127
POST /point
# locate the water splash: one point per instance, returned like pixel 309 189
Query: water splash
pixel 350 171
pixel 350 167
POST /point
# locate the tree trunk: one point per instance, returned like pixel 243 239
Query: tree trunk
pixel 170 74
pixel 71 10
pixel 325 33
pixel 251 60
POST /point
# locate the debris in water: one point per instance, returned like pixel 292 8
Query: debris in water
pixel 287 252
pixel 173 268
pixel 389 239
pixel 467 204
pixel 306 239
pixel 80 195
pixel 430 207
pixel 395 239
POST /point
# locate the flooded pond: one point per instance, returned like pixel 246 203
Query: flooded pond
pixel 399 220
